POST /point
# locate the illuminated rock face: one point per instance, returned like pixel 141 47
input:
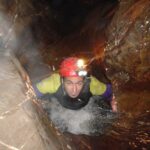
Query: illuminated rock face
pixel 19 121
pixel 127 55
pixel 127 59
pixel 127 51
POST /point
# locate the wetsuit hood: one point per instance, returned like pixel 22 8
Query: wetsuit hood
pixel 74 103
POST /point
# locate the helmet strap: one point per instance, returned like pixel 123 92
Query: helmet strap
pixel 62 82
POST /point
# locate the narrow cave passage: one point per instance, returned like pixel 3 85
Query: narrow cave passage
pixel 42 33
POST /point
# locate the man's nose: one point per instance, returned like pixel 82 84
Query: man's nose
pixel 74 88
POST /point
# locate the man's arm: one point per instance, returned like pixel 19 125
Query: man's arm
pixel 105 90
pixel 37 92
pixel 108 92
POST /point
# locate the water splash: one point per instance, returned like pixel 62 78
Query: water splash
pixel 90 120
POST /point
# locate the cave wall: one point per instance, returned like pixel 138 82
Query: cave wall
pixel 128 41
pixel 127 59
pixel 23 124
pixel 126 56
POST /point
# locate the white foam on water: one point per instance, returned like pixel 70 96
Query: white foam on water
pixel 89 120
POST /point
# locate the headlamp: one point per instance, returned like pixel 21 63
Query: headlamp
pixel 81 71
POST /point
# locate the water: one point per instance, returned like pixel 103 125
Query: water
pixel 90 120
pixel 130 131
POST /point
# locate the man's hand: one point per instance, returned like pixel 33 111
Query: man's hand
pixel 114 104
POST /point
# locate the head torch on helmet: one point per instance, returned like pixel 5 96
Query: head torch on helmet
pixel 74 67
pixel 82 73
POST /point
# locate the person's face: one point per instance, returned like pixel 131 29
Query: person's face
pixel 73 86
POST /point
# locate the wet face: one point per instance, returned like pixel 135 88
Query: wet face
pixel 73 86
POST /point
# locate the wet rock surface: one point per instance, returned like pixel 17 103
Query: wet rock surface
pixel 128 42
pixel 19 123
pixel 23 123
pixel 126 58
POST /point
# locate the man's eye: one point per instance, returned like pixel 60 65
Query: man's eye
pixel 80 83
pixel 69 83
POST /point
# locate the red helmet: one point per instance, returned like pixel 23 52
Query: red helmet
pixel 70 68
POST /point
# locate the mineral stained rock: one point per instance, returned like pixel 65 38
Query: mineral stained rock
pixel 127 52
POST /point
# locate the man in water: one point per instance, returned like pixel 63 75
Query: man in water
pixel 73 87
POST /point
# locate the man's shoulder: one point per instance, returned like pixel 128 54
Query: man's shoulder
pixel 97 87
pixel 49 84
pixel 54 77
